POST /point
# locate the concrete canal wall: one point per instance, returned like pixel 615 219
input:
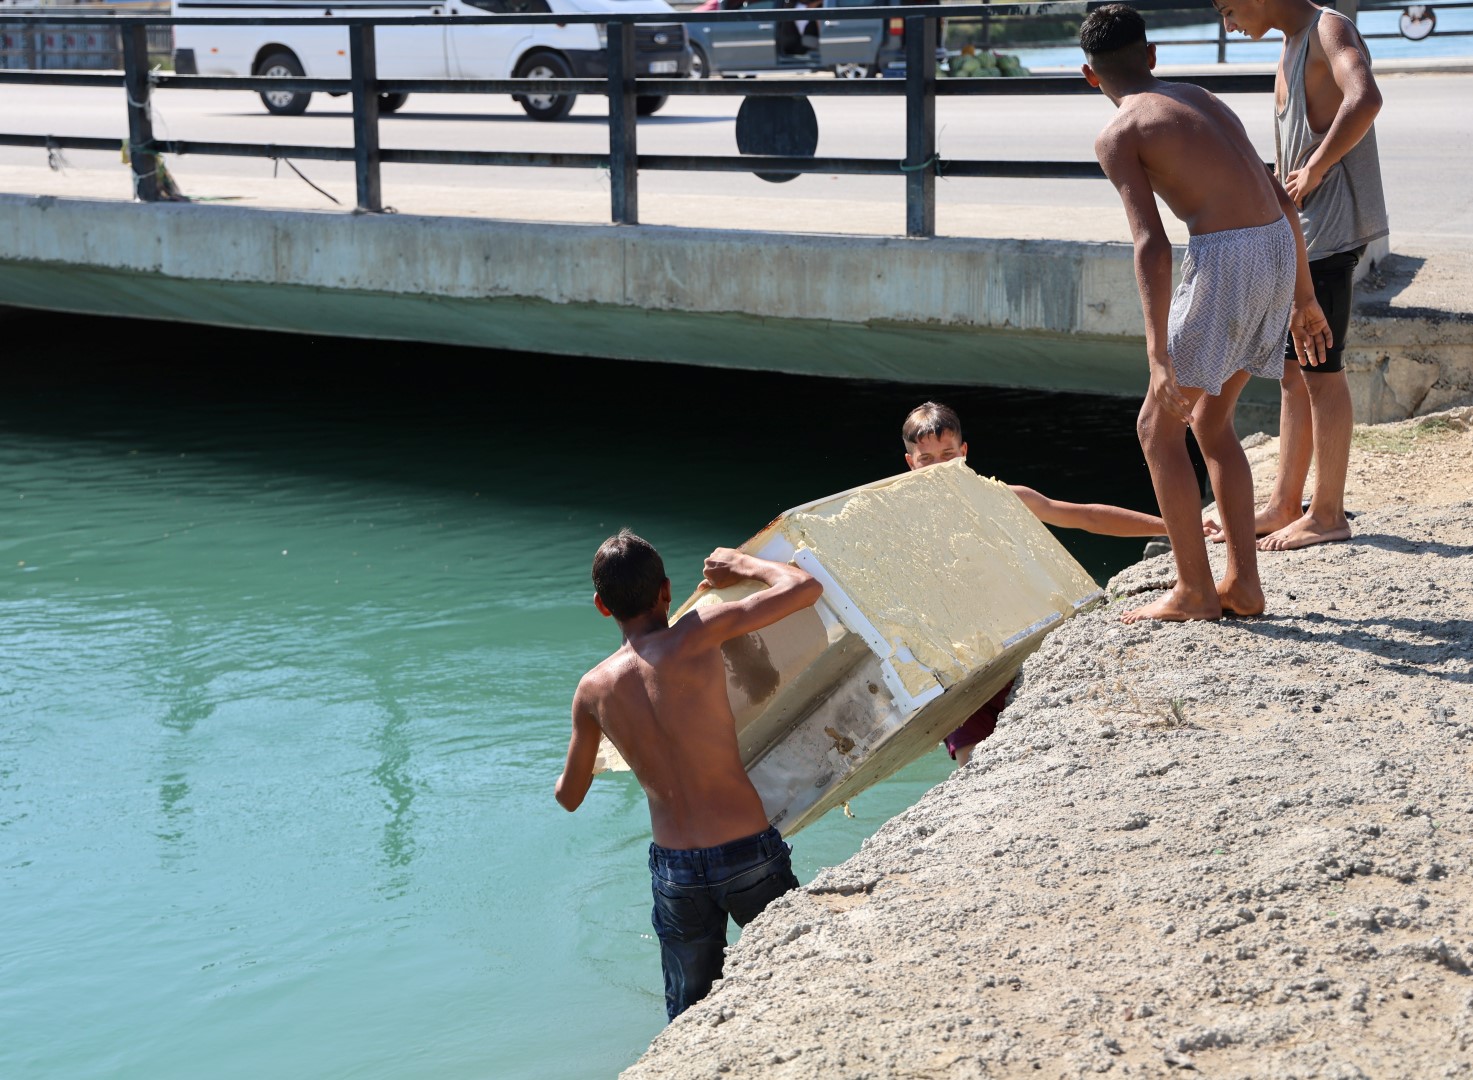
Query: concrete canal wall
pixel 1044 314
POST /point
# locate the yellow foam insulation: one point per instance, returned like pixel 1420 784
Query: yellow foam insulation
pixel 943 562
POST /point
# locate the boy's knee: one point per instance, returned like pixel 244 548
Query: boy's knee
pixel 1154 428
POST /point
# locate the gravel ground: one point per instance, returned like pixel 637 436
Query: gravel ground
pixel 1243 849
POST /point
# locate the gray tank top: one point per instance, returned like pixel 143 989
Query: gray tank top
pixel 1348 209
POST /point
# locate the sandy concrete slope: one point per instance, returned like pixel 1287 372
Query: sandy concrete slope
pixel 1243 849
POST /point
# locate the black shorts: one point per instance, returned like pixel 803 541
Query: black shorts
pixel 1333 277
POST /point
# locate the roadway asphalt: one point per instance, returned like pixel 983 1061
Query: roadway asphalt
pixel 1425 133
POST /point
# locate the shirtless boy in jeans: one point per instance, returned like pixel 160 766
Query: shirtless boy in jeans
pixel 661 700
pixel 1245 286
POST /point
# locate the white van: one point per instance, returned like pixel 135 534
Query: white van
pixel 451 51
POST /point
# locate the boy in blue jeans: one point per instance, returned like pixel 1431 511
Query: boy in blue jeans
pixel 661 700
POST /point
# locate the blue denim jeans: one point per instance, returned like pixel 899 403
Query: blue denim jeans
pixel 695 890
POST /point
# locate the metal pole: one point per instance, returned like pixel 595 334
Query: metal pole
pixel 362 56
pixel 920 126
pixel 140 123
pixel 623 143
pixel 1221 42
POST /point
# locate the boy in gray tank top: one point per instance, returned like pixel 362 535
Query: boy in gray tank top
pixel 1325 100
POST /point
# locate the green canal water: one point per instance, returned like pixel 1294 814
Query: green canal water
pixel 288 634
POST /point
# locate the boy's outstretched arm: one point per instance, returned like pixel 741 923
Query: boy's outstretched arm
pixel 1101 518
pixel 789 589
pixel 577 775
pixel 1119 155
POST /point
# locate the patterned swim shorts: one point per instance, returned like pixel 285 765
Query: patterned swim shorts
pixel 1231 311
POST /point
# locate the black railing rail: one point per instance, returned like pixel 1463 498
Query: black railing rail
pixel 995 15
pixel 920 166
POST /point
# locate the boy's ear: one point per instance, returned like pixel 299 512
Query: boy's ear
pixel 963 449
pixel 1090 76
pixel 1151 56
pixel 665 593
pixel 910 463
pixel 603 609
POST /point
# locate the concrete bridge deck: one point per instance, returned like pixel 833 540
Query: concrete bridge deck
pixel 1032 284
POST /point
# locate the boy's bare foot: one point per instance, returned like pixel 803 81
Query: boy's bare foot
pixel 1304 532
pixel 1238 599
pixel 1174 608
pixel 1266 522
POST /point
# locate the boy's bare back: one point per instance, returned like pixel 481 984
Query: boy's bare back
pixel 663 705
pixel 1192 151
pixel 661 700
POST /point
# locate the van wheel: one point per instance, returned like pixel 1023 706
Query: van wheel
pixel 852 71
pixel 391 103
pixel 545 106
pixel 649 104
pixel 283 102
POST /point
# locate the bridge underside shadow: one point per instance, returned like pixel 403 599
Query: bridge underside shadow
pixel 1046 315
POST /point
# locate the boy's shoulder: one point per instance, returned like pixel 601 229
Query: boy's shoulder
pixel 599 678
pixel 1336 33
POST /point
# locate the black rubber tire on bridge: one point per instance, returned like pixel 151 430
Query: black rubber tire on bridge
pixel 546 107
pixel 649 104
pixel 391 103
pixel 283 102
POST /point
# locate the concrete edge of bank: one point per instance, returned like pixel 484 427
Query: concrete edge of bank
pixel 1047 314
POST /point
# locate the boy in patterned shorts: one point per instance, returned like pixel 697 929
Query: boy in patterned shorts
pixel 1245 285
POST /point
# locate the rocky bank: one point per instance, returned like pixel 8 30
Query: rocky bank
pixel 1241 849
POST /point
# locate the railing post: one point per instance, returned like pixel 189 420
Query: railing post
pixel 144 161
pixel 362 56
pixel 920 126
pixel 1221 42
pixel 623 143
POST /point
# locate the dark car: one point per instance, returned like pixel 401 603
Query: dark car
pixel 850 48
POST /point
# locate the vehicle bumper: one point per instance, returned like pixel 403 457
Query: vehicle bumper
pixel 669 60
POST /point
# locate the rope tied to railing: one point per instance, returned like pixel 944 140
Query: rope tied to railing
pixel 276 159
pixel 146 105
pixel 932 162
pixel 55 160
pixel 168 191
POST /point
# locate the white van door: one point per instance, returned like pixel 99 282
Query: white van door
pixel 487 52
pixel 407 52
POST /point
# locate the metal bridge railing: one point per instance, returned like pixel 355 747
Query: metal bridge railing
pixel 920 88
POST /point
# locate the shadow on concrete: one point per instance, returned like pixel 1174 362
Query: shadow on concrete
pixel 1382 638
pixel 1387 280
pixel 1378 293
pixel 1410 546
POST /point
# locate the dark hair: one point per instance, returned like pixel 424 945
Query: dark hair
pixel 1110 29
pixel 932 419
pixel 627 574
